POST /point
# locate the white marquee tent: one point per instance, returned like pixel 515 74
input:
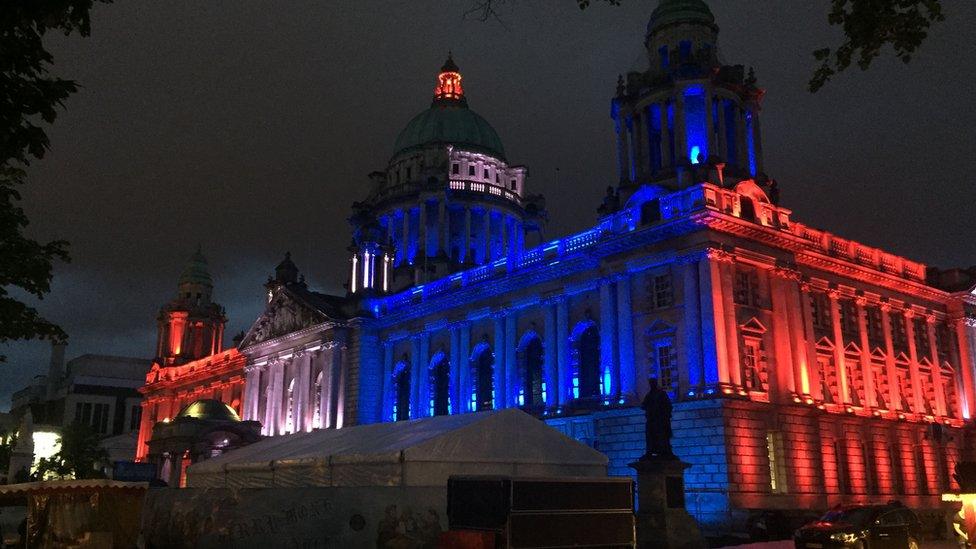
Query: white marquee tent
pixel 421 452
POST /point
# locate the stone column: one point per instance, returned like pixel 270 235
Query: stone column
pixel 715 349
pixel 423 231
pixel 303 371
pixel 680 132
pixel 665 137
pixel 387 385
pixel 251 388
pixel 418 348
pixel 512 382
pixel 640 144
pixel 727 278
pixel 467 236
pixel 565 394
pixel 338 358
pixel 757 139
pixel 608 339
pixel 329 374
pixel 499 347
pixel 806 345
pixel 844 390
pixel 941 406
pixel 917 392
pixel 964 344
pixel 627 370
pixel 692 330
pixel 454 380
pixel 445 228
pixel 741 147
pixel 551 346
pixel 623 148
pixel 464 367
pixel 710 125
pixel 867 372
pixel 405 243
pixel 893 388
pixel 486 235
pixel 423 377
pixel 787 368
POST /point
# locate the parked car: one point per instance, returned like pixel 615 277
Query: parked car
pixel 889 526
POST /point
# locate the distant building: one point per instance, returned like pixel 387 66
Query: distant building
pixel 100 391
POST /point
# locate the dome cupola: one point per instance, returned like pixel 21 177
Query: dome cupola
pixel 449 121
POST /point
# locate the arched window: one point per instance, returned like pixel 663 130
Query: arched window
pixel 401 391
pixel 440 376
pixel 532 386
pixel 586 361
pixel 483 378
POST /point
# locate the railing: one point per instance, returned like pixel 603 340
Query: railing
pixel 475 187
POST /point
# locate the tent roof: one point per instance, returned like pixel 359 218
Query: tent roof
pixel 506 436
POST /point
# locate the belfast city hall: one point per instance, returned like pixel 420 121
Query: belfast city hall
pixel 805 369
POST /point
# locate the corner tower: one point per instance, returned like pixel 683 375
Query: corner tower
pixel 688 118
pixel 191 326
pixel 448 199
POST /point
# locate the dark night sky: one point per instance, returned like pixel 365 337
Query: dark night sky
pixel 249 128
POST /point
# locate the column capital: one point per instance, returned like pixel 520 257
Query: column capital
pixel 716 254
pixel 860 300
pixel 909 313
pixel 833 294
pixel 885 307
pixel 929 318
pixel 786 273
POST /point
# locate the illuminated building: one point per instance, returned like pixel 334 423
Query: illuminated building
pixel 191 363
pixel 806 369
pixel 100 391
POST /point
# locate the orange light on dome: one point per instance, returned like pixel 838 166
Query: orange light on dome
pixel 449 86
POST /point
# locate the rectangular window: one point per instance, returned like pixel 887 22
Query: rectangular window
pixel 870 469
pixel 894 461
pixel 777 463
pixel 899 335
pixel 922 338
pixel 875 336
pixel 456 168
pixel 855 380
pixel 663 291
pixel 513 185
pixel 667 370
pixel 486 174
pixel 747 288
pixel 471 171
pixel 408 173
pixel 820 311
pixel 754 365
pixel 848 319
pixel 827 372
pixel 843 474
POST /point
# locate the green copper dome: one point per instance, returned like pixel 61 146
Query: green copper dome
pixel 451 123
pixel 196 271
pixel 209 409
pixel 674 11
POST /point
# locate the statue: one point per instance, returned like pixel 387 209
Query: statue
pixel 657 431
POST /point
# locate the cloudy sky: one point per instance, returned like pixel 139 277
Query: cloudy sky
pixel 249 128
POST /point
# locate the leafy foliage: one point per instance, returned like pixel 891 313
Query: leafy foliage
pixel 78 457
pixel 29 97
pixel 7 449
pixel 869 26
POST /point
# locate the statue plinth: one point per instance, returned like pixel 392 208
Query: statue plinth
pixel 662 520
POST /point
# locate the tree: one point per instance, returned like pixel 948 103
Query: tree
pixel 29 98
pixel 79 456
pixel 869 26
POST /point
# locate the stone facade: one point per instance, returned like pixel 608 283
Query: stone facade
pixel 806 369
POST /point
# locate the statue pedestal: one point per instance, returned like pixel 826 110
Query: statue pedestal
pixel 662 520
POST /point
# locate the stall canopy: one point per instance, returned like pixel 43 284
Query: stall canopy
pixel 421 452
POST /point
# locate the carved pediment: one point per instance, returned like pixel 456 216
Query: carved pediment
pixel 282 316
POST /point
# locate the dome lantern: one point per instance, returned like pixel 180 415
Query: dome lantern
pixel 449 82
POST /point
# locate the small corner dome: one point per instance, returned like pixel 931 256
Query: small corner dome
pixel 209 409
pixel 196 271
pixel 675 11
